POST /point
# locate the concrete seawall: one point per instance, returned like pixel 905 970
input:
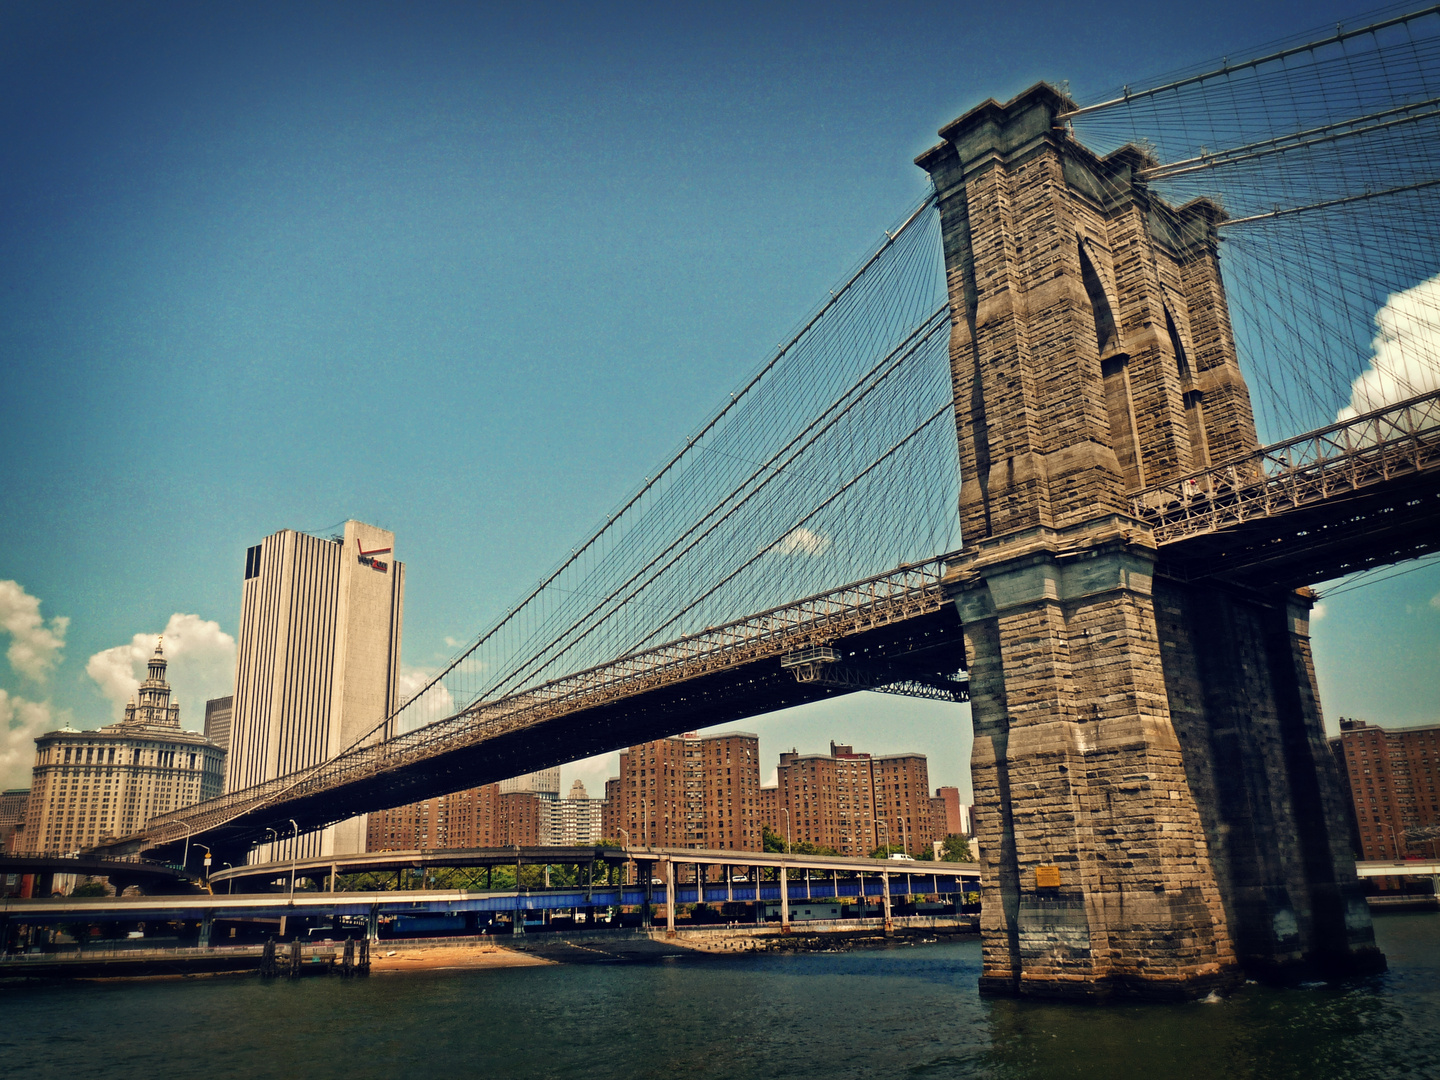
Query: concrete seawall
pixel 575 947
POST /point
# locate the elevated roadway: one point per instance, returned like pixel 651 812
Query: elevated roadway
pixel 1398 868
pixel 1344 498
pixel 122 872
pixel 642 856
pixel 792 879
pixel 895 631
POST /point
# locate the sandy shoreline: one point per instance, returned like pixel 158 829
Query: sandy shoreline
pixel 431 957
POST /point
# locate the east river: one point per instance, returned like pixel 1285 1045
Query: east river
pixel 901 1011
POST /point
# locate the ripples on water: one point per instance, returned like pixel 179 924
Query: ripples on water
pixel 905 1011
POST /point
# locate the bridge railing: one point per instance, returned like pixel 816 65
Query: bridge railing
pixel 895 596
pixel 1400 439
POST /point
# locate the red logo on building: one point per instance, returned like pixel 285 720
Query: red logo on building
pixel 367 558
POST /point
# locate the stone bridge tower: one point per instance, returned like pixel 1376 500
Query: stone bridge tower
pixel 1158 810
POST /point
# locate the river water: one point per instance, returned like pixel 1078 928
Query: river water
pixel 906 1011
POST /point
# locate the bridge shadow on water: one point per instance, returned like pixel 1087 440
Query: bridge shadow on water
pixel 903 1011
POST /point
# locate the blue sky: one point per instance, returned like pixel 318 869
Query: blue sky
pixel 467 272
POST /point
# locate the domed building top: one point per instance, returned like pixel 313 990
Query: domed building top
pixel 154 707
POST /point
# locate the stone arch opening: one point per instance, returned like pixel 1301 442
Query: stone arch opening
pixel 1106 338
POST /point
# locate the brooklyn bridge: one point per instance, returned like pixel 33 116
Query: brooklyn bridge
pixel 1071 443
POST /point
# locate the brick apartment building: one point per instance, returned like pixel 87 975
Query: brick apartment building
pixel 853 802
pixel 1391 778
pixel 949 815
pixel 482 817
pixel 525 810
pixel 610 810
pixel 692 791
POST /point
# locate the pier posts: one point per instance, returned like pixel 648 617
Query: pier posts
pixel 885 895
pixel 784 901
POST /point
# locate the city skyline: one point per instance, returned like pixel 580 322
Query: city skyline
pixel 323 228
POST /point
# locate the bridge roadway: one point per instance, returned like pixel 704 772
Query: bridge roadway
pixel 654 857
pixel 1346 497
pixel 1399 868
pixel 122 872
pixel 819 878
pixel 894 630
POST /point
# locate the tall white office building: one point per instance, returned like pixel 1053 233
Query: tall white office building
pixel 318 661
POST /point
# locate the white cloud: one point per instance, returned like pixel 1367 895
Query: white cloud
pixel 1435 601
pixel 802 541
pixel 437 703
pixel 1407 351
pixel 453 643
pixel 1317 613
pixel 34 646
pixel 20 722
pixel 202 666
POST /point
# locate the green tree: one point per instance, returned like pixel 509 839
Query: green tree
pixel 956 849
pixel 805 847
pixel 776 843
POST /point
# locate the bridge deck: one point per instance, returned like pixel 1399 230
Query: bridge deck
pixel 1402 868
pixel 129 869
pixel 1361 493
pixel 894 629
pixel 810 877
pixel 568 856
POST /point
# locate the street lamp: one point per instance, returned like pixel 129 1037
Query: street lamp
pixel 232 880
pixel 185 861
pixel 274 839
pixel 629 862
pixel 1394 838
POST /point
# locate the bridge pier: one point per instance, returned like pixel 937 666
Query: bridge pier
pixel 1156 805
pixel 885 899
pixel 1097 872
pixel 1241 686
pixel 669 897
